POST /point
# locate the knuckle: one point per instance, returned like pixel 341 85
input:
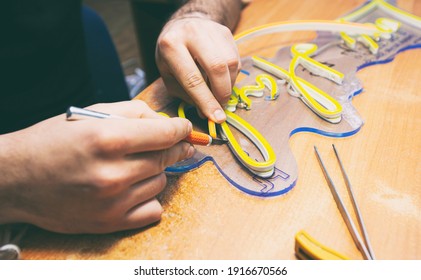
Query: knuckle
pixel 226 30
pixel 142 109
pixel 218 66
pixel 188 28
pixel 106 182
pixel 240 65
pixel 160 182
pixel 194 80
pixel 172 155
pixel 233 63
pixel 139 103
pixel 225 95
pixel 105 142
pixel 166 42
pixel 163 160
pixel 209 103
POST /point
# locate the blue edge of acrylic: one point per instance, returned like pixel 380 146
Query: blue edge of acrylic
pixel 183 169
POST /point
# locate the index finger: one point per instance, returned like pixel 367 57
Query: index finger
pixel 127 136
pixel 189 76
pixel 220 62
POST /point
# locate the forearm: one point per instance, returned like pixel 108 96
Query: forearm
pixel 225 12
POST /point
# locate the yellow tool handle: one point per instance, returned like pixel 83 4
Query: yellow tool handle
pixel 308 248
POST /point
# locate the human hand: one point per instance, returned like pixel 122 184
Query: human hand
pixel 91 175
pixel 199 62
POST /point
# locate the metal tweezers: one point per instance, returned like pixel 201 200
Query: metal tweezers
pixel 363 247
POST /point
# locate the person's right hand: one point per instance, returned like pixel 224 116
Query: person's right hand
pixel 199 62
pixel 90 175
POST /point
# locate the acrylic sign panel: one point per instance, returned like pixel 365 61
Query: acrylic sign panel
pixel 278 119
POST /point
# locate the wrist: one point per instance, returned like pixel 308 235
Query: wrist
pixel 192 9
pixel 192 14
pixel 198 16
pixel 225 12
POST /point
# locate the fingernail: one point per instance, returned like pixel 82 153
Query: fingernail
pixel 219 115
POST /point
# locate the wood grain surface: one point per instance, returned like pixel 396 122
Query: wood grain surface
pixel 206 218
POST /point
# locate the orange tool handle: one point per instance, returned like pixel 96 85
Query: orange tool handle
pixel 199 138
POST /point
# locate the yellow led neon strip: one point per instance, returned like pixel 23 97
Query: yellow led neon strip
pixel 234 100
pixel 261 168
pixel 308 25
pixel 262 80
pixel 264 168
pixel 181 110
pixel 211 124
pixel 320 102
pixel 317 100
pixel 385 26
pixel 212 129
pixel 364 39
pixel 387 8
pixel 301 54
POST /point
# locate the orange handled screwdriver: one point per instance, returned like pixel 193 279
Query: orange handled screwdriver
pixel 195 137
pixel 203 139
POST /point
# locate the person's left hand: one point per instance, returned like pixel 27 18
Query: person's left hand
pixel 198 56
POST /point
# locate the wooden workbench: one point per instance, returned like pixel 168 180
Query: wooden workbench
pixel 206 218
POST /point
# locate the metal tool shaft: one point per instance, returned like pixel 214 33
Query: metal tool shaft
pixel 344 212
pixel 72 111
pixel 355 205
pixel 195 137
